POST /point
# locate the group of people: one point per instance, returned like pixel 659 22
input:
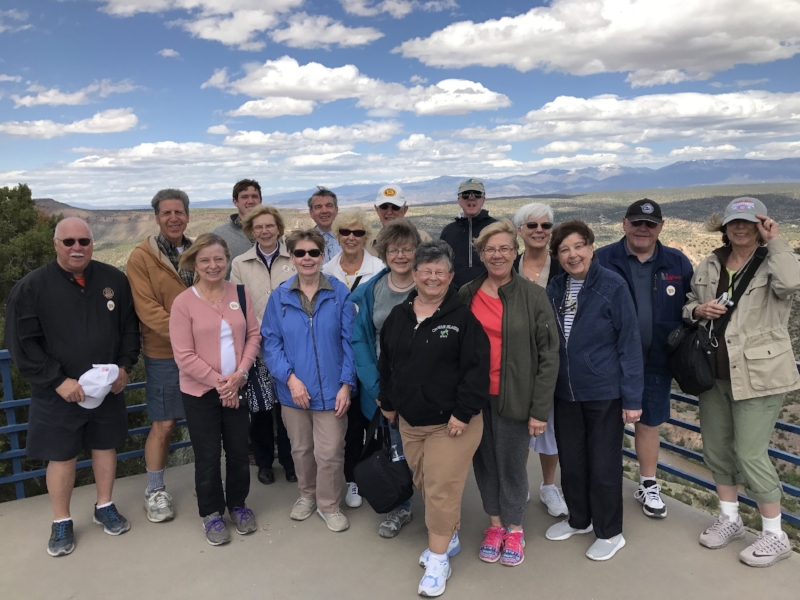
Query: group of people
pixel 472 351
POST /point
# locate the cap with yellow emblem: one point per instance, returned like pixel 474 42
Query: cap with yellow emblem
pixel 391 194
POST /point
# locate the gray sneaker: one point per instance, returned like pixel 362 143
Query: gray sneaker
pixel 766 550
pixel 216 529
pixel 336 521
pixel 303 508
pixel 62 539
pixel 394 522
pixel 564 531
pixel 158 506
pixel 113 523
pixel 244 519
pixel 605 549
pixel 721 532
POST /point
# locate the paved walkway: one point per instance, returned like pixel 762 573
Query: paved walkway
pixel 285 559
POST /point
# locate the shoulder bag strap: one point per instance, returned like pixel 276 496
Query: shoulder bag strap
pixel 373 425
pixel 355 284
pixel 744 281
pixel 242 300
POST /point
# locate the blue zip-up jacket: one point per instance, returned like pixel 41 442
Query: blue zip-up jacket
pixel 672 278
pixel 603 358
pixel 366 358
pixel 319 352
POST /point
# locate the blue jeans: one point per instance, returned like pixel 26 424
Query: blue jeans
pixel 397 442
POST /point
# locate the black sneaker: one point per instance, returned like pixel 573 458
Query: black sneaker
pixel 62 539
pixel 649 494
pixel 113 523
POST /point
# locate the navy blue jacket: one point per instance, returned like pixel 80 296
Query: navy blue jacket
pixel 672 278
pixel 603 358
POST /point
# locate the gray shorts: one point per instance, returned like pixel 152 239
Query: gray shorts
pixel 162 390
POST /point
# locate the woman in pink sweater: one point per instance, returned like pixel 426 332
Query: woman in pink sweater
pixel 214 347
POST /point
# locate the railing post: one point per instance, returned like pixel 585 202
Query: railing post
pixel 11 418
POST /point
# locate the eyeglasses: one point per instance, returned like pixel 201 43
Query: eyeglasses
pixel 70 242
pixel 649 224
pixel 473 193
pixel 399 251
pixel 546 226
pixel 356 232
pixel 427 274
pixel 260 228
pixel 312 253
pixel 504 250
pixel 388 205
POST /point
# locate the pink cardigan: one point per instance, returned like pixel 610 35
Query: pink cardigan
pixel 194 330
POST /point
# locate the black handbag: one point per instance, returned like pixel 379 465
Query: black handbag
pixel 693 347
pixel 385 483
pixel 259 391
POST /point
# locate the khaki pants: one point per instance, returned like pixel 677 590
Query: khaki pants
pixel 440 464
pixel 317 438
pixel 736 436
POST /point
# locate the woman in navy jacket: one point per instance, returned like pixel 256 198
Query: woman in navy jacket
pixel 599 388
pixel 306 333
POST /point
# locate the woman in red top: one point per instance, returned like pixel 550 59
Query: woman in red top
pixel 515 314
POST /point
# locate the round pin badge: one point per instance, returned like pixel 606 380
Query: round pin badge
pixel 670 290
pixel 647 208
pixel 110 304
pixel 234 305
pixel 286 268
pixel 108 293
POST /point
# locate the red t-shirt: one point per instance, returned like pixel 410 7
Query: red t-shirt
pixel 489 311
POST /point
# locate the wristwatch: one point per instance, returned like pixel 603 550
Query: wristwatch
pixel 243 372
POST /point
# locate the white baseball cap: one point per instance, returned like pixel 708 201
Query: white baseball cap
pixel 96 384
pixel 393 194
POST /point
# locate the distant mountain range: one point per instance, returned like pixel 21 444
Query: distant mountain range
pixel 554 181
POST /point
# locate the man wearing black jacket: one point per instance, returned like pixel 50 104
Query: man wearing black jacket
pixel 460 233
pixel 62 319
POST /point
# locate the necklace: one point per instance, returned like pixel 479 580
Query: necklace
pixel 536 279
pixel 399 287
pixel 209 296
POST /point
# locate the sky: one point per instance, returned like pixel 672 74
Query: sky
pixel 105 102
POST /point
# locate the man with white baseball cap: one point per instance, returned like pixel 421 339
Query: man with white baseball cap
pixel 390 204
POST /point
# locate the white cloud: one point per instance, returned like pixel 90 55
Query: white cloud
pixel 575 146
pixel 274 107
pixel 654 43
pixel 368 132
pixel 772 150
pixel 396 8
pixel 169 53
pixel 14 78
pixel 692 152
pixel 307 31
pixel 236 23
pixel 657 117
pixel 13 20
pixel 751 82
pixel 55 97
pixel 285 78
pixel 418 79
pixel 108 121
pixel 218 130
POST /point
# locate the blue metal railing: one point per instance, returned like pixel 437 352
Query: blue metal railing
pixel 15 454
pixel 12 430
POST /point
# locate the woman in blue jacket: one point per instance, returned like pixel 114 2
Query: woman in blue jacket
pixel 306 333
pixel 374 300
pixel 599 387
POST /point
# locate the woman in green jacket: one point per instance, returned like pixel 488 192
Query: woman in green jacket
pixel 517 318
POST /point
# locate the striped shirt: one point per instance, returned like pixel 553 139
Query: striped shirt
pixel 571 303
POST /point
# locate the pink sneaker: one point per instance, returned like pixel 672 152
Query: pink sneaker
pixel 513 549
pixel 492 544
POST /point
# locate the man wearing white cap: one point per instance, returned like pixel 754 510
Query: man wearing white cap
pixel 466 227
pixel 61 320
pixel 390 204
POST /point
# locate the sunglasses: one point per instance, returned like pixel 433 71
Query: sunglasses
pixel 474 194
pixel 70 242
pixel 534 225
pixel 312 253
pixel 649 224
pixel 355 232
pixel 388 205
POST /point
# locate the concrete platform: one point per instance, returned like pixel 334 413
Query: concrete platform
pixel 286 559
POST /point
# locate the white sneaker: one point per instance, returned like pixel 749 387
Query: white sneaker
pixel 649 494
pixel 453 548
pixel 552 498
pixel 436 575
pixel 605 549
pixel 352 499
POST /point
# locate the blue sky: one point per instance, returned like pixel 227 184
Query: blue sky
pixel 107 101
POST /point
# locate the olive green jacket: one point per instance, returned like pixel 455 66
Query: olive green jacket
pixel 529 360
pixel 757 335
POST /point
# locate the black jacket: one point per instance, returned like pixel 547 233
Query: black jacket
pixel 460 234
pixel 438 369
pixel 56 329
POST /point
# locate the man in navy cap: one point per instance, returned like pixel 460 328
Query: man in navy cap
pixel 659 278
